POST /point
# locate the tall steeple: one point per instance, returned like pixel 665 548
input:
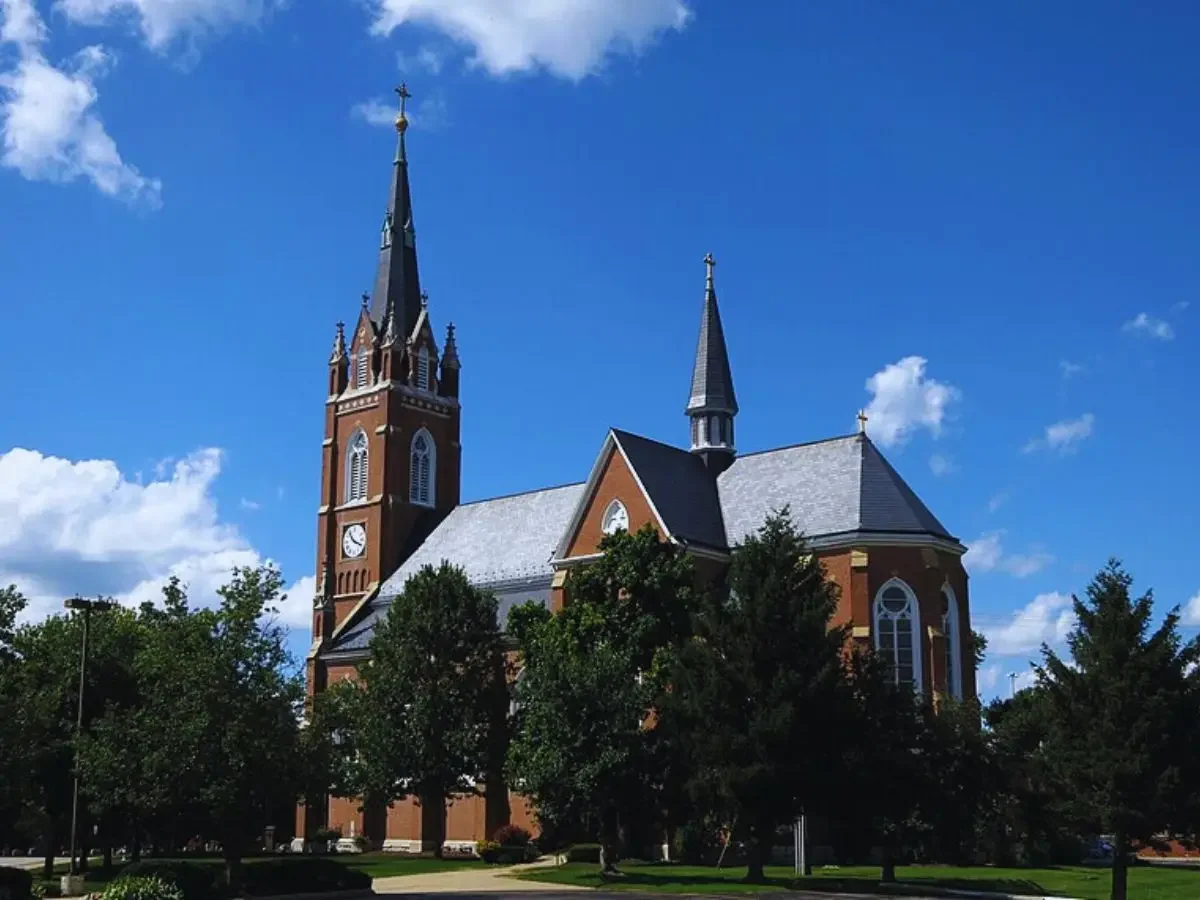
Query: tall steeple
pixel 712 404
pixel 397 288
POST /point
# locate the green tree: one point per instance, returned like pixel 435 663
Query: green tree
pixel 979 645
pixel 965 782
pixel 420 718
pixel 890 759
pixel 585 749
pixel 1119 710
pixel 41 677
pixel 219 687
pixel 761 692
pixel 12 778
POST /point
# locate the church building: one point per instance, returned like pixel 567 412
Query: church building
pixel 390 504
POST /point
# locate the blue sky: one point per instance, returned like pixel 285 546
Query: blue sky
pixel 980 223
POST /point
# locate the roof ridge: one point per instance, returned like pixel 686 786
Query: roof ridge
pixel 641 437
pixel 829 440
pixel 545 490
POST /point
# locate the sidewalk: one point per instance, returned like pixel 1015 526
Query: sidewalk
pixel 472 881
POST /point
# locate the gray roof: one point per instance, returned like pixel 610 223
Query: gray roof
pixel 502 544
pixel 712 381
pixel 680 486
pixel 831 487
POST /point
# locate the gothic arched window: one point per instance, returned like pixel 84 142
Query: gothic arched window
pixel 898 632
pixel 423 469
pixel 950 628
pixel 616 518
pixel 356 467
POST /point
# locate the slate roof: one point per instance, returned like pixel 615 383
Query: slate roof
pixel 831 487
pixel 503 544
pixel 680 486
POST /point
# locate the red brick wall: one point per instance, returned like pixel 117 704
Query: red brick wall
pixel 616 483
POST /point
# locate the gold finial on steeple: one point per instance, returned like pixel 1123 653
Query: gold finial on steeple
pixel 862 422
pixel 402 119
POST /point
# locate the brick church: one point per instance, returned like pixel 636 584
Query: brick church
pixel 390 504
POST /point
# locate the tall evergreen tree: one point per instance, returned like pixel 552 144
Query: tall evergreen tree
pixel 420 718
pixel 761 692
pixel 585 749
pixel 1120 710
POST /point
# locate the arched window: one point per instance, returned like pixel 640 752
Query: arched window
pixel 423 469
pixel 514 703
pixel 897 632
pixel 356 468
pixel 362 368
pixel 423 369
pixel 616 518
pixel 951 630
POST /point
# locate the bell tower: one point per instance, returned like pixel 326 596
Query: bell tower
pixel 391 458
pixel 712 405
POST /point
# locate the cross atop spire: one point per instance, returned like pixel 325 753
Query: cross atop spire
pixel 710 263
pixel 402 119
pixel 862 422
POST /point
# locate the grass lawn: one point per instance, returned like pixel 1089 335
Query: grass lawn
pixel 377 865
pixel 1145 882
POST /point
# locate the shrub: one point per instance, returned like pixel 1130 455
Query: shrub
pixel 141 887
pixel 511 836
pixel 489 851
pixel 301 875
pixel 15 884
pixel 195 882
pixel 584 853
pixel 362 843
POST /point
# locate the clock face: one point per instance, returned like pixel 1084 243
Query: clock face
pixel 354 541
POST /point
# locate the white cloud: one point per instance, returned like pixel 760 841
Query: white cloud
pixel 1070 369
pixel 249 505
pixel 161 21
pixel 986 554
pixel 568 38
pixel 997 500
pixel 1181 306
pixel 82 527
pixel 48 129
pixel 1191 611
pixel 1064 436
pixel 426 59
pixel 430 113
pixel 940 464
pixel 375 112
pixel 1047 619
pixel 989 677
pixel 1148 326
pixel 903 400
pixel 296 608
pixel 983 554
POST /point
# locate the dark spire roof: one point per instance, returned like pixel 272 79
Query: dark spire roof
pixel 712 382
pixel 397 287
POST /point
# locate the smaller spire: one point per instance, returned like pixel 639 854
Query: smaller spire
pixel 366 302
pixel 862 422
pixel 424 299
pixel 450 353
pixel 339 344
pixel 389 329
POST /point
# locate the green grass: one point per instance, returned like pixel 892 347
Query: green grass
pixel 1145 882
pixel 377 865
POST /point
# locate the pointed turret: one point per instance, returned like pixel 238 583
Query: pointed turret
pixel 397 288
pixel 712 404
pixel 450 365
pixel 337 362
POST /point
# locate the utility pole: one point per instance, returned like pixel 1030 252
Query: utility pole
pixel 86 607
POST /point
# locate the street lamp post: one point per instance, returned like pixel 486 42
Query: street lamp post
pixel 86 607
